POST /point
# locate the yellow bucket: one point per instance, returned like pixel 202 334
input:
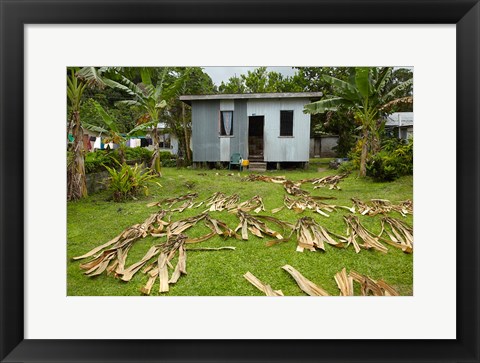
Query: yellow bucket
pixel 245 162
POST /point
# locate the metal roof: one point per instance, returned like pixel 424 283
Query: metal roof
pixel 189 98
pixel 399 119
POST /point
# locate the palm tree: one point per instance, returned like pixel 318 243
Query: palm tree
pixel 369 94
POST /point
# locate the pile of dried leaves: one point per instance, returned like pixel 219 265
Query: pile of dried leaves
pixel 310 202
pixel 344 281
pixel 382 206
pixel 219 202
pixel 259 228
pixel 400 233
pixel 355 230
pixel 331 181
pixel 111 256
pixel 264 178
pixel 312 236
pixel 187 200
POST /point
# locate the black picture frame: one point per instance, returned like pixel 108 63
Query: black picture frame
pixel 16 13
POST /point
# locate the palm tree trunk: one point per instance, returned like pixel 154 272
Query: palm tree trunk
pixel 76 180
pixel 156 164
pixel 187 139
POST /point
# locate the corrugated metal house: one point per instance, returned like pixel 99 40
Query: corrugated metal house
pixel 400 124
pixel 262 127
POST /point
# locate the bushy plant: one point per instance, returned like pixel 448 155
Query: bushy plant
pixel 128 181
pixel 168 159
pixel 96 161
pixel 138 153
pixel 347 167
pixel 394 160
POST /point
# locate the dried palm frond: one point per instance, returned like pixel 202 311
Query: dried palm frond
pixel 264 178
pixel 167 251
pixel 182 225
pixel 266 289
pixel 369 286
pixel 210 248
pixel 331 181
pixel 344 282
pixel 219 201
pixel 294 188
pixel 401 235
pixel 356 230
pixel 255 203
pixel 405 207
pixel 113 259
pixel 256 226
pixel 217 228
pixel 312 203
pixel 382 206
pixel 312 236
pixel 169 202
pixel 306 285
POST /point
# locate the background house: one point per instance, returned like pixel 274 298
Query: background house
pixel 323 146
pixel 400 124
pixel 265 128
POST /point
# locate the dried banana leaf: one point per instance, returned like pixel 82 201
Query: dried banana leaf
pixel 344 282
pixel 369 286
pixel 400 234
pixel 356 230
pixel 306 285
pixel 264 178
pixel 255 203
pixel 312 236
pixel 266 289
pixel 256 226
pixel 187 200
pixel 331 181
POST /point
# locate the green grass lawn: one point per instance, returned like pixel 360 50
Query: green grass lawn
pixel 95 220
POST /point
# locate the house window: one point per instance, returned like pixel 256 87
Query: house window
pixel 226 123
pixel 164 141
pixel 286 123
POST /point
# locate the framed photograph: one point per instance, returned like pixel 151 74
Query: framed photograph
pixel 51 311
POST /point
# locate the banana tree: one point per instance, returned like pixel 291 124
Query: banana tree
pixel 149 98
pixel 76 180
pixel 368 94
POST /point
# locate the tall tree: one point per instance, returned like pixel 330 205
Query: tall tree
pixel 76 180
pixel 366 94
pixel 147 96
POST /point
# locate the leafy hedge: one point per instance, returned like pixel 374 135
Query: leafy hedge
pixel 95 161
pixel 393 161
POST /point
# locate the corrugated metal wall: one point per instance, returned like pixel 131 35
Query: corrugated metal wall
pixel 276 148
pixel 239 141
pixel 205 140
pixel 209 146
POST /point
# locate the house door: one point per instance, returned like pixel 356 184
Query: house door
pixel 255 137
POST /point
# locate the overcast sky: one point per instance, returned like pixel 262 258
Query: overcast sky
pixel 219 74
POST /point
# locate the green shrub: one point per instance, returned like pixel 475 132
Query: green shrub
pixel 96 161
pixel 346 167
pixel 128 181
pixel 394 160
pixel 168 159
